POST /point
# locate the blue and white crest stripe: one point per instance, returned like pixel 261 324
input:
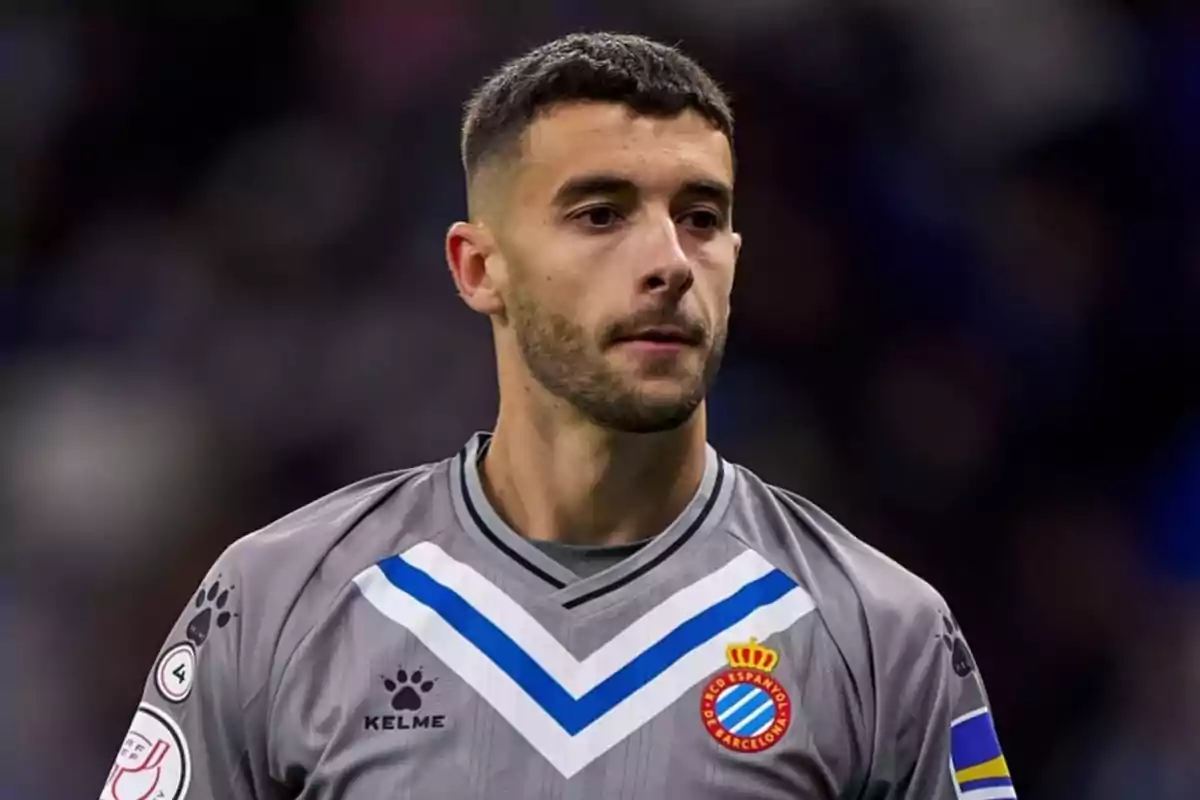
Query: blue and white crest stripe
pixel 573 711
pixel 749 712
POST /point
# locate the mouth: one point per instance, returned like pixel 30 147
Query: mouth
pixel 663 340
pixel 662 335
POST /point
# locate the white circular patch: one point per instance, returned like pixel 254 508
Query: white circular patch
pixel 153 762
pixel 175 672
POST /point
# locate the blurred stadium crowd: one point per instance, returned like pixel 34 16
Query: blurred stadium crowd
pixel 967 324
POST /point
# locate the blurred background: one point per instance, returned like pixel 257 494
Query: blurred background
pixel 967 323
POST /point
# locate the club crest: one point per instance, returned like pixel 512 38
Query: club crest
pixel 745 708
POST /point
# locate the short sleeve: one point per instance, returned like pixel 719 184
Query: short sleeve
pixel 188 736
pixel 942 735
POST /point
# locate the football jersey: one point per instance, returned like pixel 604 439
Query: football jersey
pixel 397 639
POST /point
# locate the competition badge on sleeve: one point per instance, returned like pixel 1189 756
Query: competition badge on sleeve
pixel 980 771
pixel 153 763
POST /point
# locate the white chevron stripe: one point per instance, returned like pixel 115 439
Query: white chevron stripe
pixel 578 678
pixel 569 754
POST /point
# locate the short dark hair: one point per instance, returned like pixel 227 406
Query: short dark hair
pixel 649 77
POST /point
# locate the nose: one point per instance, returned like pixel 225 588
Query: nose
pixel 668 271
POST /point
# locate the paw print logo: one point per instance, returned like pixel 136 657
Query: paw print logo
pixel 960 657
pixel 210 608
pixel 407 689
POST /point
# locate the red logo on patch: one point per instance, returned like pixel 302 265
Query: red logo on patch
pixel 744 708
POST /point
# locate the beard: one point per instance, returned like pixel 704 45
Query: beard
pixel 562 358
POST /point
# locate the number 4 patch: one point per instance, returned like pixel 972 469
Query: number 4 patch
pixel 175 672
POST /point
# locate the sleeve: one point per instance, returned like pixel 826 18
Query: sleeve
pixel 188 738
pixel 945 745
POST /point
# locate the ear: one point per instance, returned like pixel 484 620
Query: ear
pixel 737 246
pixel 472 256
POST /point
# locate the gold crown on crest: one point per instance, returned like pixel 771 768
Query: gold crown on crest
pixel 751 655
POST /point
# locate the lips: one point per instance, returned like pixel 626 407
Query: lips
pixel 663 334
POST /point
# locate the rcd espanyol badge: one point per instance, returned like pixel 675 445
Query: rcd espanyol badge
pixel 744 708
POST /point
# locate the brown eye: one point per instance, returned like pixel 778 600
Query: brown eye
pixel 703 219
pixel 598 217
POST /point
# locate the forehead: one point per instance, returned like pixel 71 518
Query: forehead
pixel 583 138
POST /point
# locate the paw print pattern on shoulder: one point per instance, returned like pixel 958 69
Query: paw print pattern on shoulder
pixel 210 609
pixel 960 657
pixel 407 689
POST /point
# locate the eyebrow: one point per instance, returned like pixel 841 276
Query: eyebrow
pixel 719 193
pixel 584 186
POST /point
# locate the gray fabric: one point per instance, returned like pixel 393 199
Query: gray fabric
pixel 586 561
pixel 482 523
pixel 310 688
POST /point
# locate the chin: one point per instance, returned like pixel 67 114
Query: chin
pixel 650 411
pixel 657 419
pixel 665 391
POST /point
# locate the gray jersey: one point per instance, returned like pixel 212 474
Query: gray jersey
pixel 398 640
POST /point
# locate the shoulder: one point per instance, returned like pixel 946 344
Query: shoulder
pixel 884 622
pixel 283 577
pixel 860 588
pixel 312 532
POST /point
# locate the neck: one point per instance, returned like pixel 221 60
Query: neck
pixel 572 481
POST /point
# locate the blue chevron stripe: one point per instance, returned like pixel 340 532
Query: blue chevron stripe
pixel 574 715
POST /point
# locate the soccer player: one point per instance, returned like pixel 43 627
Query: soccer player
pixel 588 601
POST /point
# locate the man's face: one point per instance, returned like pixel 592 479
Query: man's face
pixel 620 260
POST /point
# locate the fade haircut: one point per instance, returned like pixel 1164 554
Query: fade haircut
pixel 648 77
